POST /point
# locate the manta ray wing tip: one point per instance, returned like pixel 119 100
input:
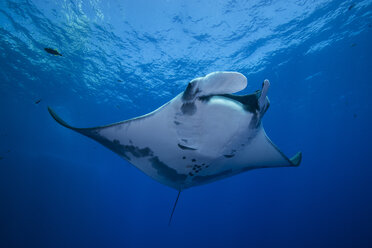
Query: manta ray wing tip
pixel 58 119
pixel 296 159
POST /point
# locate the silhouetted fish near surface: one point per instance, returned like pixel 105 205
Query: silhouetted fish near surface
pixel 52 51
pixel 351 6
pixel 120 81
pixel 38 101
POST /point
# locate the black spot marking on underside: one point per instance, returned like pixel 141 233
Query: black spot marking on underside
pixel 114 145
pixel 166 171
pixel 204 179
pixel 188 108
pixel 229 156
pixel 183 157
pixel 125 150
pixel 138 152
pixel 134 150
pixel 186 147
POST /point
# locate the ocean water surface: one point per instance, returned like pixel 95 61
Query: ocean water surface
pixel 122 59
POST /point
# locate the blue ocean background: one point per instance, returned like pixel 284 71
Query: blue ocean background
pixel 122 59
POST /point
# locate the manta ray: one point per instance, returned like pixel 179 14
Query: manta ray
pixel 202 135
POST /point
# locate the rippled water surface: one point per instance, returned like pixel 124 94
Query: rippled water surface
pixel 122 59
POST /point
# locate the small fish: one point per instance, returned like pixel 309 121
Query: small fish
pixel 52 51
pixel 355 116
pixel 38 101
pixel 120 81
pixel 351 6
pixel 353 45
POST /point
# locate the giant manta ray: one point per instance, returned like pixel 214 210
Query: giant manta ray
pixel 202 135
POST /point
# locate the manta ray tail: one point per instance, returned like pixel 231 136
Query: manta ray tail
pixel 174 207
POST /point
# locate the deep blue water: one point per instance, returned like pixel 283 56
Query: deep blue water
pixel 121 60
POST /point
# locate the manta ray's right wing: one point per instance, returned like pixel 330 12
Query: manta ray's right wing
pixel 96 133
pixel 145 142
pixel 130 139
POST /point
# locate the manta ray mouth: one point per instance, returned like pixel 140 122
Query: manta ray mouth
pixel 249 102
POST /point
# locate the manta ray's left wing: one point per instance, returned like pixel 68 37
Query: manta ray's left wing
pixel 261 152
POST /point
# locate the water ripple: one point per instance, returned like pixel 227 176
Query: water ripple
pixel 123 51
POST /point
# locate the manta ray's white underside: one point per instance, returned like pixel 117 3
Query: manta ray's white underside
pixel 202 135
